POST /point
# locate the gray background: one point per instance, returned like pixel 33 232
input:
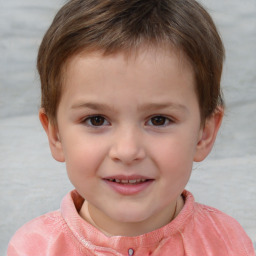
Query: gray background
pixel 32 183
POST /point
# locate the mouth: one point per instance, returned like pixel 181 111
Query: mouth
pixel 128 185
pixel 129 182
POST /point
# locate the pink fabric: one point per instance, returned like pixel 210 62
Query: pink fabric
pixel 198 230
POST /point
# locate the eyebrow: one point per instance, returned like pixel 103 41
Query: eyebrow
pixel 92 105
pixel 144 107
pixel 159 106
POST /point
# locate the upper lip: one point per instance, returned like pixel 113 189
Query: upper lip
pixel 129 177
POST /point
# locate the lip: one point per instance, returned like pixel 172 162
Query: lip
pixel 127 177
pixel 128 189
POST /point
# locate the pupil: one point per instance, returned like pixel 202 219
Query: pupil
pixel 97 120
pixel 158 120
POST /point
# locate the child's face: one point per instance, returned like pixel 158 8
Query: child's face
pixel 135 120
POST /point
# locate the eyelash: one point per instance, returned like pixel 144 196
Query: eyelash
pixel 103 121
pixel 167 121
pixel 89 119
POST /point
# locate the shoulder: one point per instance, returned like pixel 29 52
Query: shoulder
pixel 42 223
pixel 208 227
pixel 36 234
pixel 218 225
pixel 216 217
pixel 208 216
pixel 50 234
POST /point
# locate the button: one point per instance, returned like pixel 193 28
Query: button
pixel 130 252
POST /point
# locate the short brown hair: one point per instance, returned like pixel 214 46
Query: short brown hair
pixel 124 25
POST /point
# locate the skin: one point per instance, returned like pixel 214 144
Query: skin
pixel 136 115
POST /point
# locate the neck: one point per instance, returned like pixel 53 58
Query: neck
pixel 110 227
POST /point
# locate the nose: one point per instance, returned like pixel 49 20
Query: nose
pixel 127 146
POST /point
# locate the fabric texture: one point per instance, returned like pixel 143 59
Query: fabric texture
pixel 197 230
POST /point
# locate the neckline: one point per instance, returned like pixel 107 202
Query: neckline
pixel 87 233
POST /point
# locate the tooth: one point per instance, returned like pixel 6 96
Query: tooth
pixel 128 181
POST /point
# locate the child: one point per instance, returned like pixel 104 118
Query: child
pixel 130 99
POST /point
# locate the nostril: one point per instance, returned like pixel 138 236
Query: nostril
pixel 126 155
pixel 127 146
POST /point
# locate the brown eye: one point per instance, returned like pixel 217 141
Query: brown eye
pixel 159 121
pixel 96 121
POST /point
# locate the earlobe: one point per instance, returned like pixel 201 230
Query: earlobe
pixel 53 136
pixel 208 135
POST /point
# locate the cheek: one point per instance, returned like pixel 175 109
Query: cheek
pixel 83 157
pixel 82 165
pixel 176 168
pixel 176 151
pixel 175 159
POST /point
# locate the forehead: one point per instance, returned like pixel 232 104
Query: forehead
pixel 145 75
pixel 156 55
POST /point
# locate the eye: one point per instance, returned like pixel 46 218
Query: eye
pixel 159 121
pixel 96 121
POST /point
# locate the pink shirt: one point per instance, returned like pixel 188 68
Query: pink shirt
pixel 198 230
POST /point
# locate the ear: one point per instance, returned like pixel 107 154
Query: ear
pixel 208 135
pixel 53 136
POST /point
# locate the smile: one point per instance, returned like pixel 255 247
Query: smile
pixel 134 181
pixel 128 185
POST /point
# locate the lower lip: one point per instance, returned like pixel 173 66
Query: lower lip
pixel 129 189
